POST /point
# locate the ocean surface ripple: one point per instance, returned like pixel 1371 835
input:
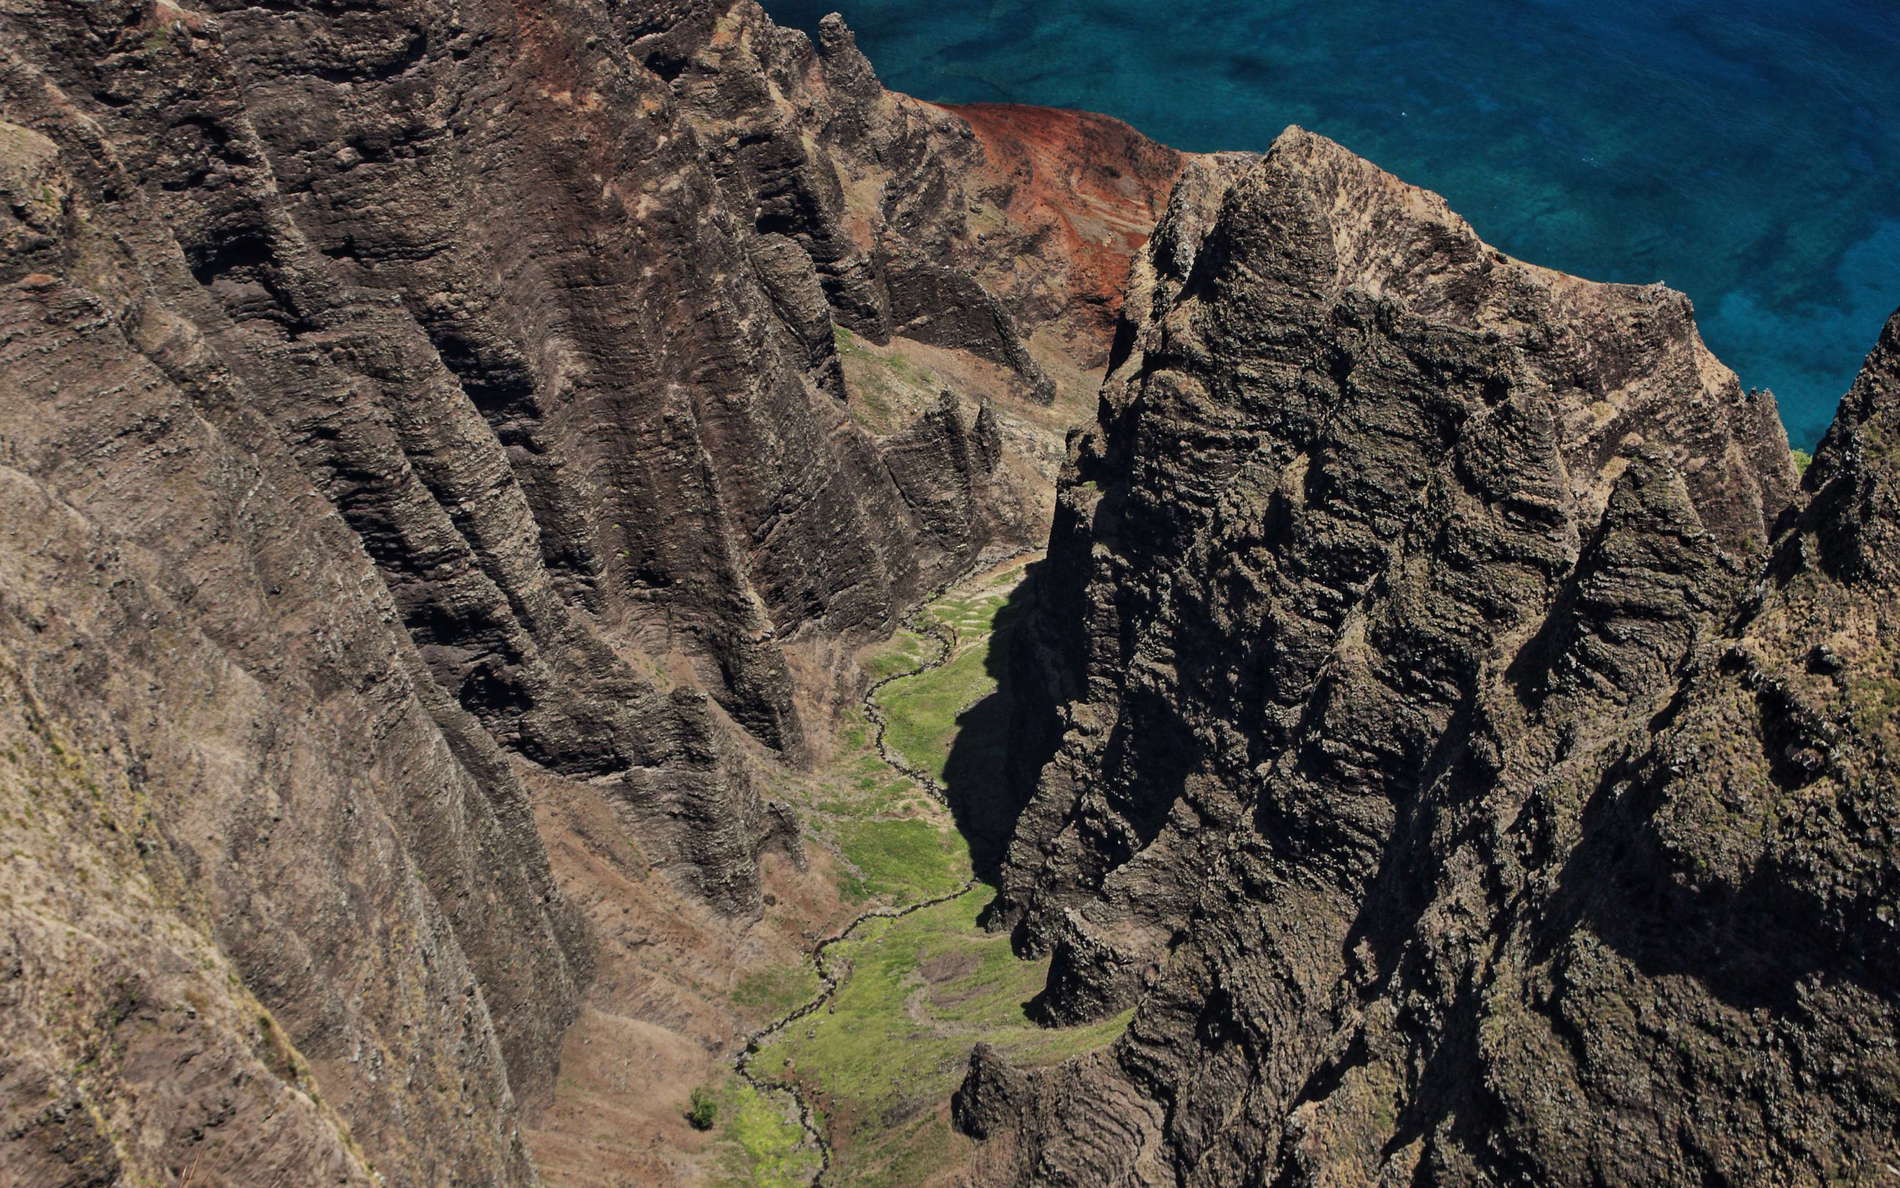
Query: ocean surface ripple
pixel 1743 151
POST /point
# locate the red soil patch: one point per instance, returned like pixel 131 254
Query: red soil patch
pixel 1098 183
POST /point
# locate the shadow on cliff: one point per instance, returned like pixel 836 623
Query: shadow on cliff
pixel 983 800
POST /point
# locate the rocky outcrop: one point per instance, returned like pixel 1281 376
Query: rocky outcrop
pixel 263 874
pixel 1423 753
pixel 1005 232
pixel 401 405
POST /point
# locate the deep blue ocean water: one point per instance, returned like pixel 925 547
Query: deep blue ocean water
pixel 1746 152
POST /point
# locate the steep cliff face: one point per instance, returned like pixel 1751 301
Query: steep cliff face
pixel 1428 760
pixel 403 405
pixel 1006 232
pixel 1449 730
pixel 239 807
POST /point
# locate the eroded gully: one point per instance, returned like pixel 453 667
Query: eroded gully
pixel 830 977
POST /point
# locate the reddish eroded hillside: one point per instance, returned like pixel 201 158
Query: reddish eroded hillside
pixel 1096 183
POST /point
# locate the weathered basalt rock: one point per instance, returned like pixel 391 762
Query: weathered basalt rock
pixel 1428 760
pixel 1006 232
pixel 402 405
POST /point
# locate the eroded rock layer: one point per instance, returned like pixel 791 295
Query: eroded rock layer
pixel 1461 745
pixel 404 405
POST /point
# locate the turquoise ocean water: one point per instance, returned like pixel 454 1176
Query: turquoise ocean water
pixel 1746 152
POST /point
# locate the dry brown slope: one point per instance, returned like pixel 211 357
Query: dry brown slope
pixel 409 414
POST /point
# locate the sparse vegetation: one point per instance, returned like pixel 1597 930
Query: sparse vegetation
pixel 929 985
pixel 887 389
pixel 1801 461
pixel 702 1109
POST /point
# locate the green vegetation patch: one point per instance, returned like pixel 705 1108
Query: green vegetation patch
pixel 858 785
pixel 774 991
pixel 905 653
pixel 906 858
pixel 883 1060
pixel 761 1141
pixel 916 993
pixel 924 712
pixel 702 1109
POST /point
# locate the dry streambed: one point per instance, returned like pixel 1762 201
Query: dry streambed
pixel 850 1083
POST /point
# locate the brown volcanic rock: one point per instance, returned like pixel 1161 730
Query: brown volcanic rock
pixel 1414 770
pixel 1331 375
pixel 396 399
pixel 253 847
pixel 1089 190
pixel 999 230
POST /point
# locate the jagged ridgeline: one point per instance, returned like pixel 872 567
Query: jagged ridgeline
pixel 1460 742
pixel 454 456
pixel 447 453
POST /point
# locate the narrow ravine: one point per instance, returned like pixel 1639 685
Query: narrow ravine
pixel 830 978
pixel 946 639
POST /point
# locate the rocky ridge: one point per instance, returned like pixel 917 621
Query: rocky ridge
pixel 413 416
pixel 1459 738
pixel 446 450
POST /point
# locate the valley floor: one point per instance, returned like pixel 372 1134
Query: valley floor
pixel 875 1059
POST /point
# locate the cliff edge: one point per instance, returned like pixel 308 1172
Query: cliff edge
pixel 1460 743
pixel 421 425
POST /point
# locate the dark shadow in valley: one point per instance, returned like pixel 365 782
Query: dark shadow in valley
pixel 979 787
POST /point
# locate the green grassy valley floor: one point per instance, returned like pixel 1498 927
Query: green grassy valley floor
pixel 879 1061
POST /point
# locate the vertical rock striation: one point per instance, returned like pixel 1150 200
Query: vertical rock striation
pixel 1422 752
pixel 397 401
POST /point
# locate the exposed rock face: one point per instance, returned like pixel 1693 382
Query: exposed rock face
pixel 1003 231
pixel 1457 741
pixel 1428 760
pixel 253 846
pixel 397 400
